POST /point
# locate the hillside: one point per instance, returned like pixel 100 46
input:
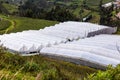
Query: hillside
pixel 44 6
pixel 18 24
pixel 38 67
pixel 34 66
pixel 15 2
pixel 10 8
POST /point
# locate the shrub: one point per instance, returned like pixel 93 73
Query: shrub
pixel 14 59
pixel 51 74
pixel 31 67
pixel 112 73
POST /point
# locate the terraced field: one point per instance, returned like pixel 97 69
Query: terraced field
pixel 17 24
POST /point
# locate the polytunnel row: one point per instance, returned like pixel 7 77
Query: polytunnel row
pixel 97 51
pixel 33 41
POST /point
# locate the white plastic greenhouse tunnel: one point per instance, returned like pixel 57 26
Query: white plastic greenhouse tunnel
pixel 98 51
pixel 77 42
pixel 34 40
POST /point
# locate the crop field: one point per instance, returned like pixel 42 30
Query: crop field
pixel 21 23
pixel 28 24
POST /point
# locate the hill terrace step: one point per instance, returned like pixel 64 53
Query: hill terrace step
pixel 33 41
pixel 97 52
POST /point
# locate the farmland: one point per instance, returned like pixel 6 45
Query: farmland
pixel 40 65
pixel 21 23
pixel 16 67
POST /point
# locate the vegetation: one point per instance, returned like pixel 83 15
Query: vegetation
pixel 11 8
pixel 112 73
pixel 60 14
pixel 18 24
pixel 3 9
pixel 43 8
pixel 4 24
pixel 56 13
pixel 15 67
pixel 22 23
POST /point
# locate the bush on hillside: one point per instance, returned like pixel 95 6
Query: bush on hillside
pixel 31 67
pixel 112 73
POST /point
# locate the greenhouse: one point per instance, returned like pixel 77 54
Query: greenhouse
pixel 33 41
pixel 97 51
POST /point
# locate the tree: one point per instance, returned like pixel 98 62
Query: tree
pixel 60 14
pixel 3 9
pixel 105 14
pixel 33 8
pixel 83 5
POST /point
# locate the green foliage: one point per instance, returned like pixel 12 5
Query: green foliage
pixel 51 74
pixel 31 67
pixel 22 23
pixel 60 14
pixel 112 73
pixel 16 67
pixel 41 8
pixel 34 10
pixel 8 75
pixel 17 24
pixel 11 8
pixel 4 24
pixel 105 14
pixel 13 59
pixel 3 9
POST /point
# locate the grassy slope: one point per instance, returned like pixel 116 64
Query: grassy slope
pixel 4 24
pixel 16 67
pixel 11 8
pixel 21 23
pixel 48 67
pixel 11 68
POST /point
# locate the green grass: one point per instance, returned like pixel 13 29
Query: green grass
pixel 112 73
pixel 19 24
pixel 4 24
pixel 11 8
pixel 22 23
pixel 15 67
